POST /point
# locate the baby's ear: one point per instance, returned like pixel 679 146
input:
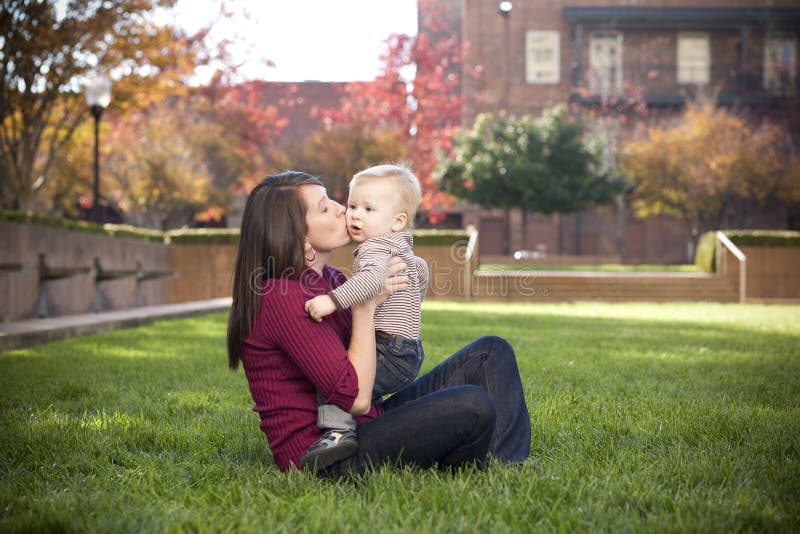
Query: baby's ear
pixel 400 221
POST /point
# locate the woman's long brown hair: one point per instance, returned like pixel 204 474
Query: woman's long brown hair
pixel 270 246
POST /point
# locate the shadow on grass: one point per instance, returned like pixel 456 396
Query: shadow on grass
pixel 599 354
pixel 156 390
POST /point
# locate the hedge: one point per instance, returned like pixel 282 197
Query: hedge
pixel 764 238
pixel 440 237
pixel 202 236
pixel 114 230
pixel 193 236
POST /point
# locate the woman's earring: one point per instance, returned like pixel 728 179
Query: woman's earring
pixel 313 256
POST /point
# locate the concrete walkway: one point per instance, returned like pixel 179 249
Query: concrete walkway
pixel 19 334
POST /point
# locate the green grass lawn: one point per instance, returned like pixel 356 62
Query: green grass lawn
pixel 603 268
pixel 646 417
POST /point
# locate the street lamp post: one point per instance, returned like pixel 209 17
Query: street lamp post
pixel 98 96
pixel 504 8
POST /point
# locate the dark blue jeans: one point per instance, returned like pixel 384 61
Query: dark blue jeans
pixel 398 363
pixel 469 408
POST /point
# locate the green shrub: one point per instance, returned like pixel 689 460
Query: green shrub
pixel 706 250
pixel 439 237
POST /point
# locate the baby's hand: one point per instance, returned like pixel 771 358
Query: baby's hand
pixel 319 307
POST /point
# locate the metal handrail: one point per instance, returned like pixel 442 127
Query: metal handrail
pixel 471 244
pixel 739 255
pixel 470 260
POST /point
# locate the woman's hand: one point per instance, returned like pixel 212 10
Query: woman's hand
pixel 396 279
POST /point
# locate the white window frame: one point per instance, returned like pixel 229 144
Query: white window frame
pixel 693 58
pixel 605 63
pixel 542 57
pixel 784 45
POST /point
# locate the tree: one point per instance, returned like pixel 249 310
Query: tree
pixel 536 165
pixel 70 183
pixel 225 135
pixel 45 55
pixel 609 123
pixel 707 168
pixel 337 154
pixel 422 116
pixel 242 151
pixel 370 127
pixel 159 174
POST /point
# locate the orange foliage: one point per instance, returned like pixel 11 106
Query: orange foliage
pixel 52 49
pixel 705 166
pixel 249 127
pixel 156 170
pixel 346 148
pixel 210 214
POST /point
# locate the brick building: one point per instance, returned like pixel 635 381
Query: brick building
pixel 539 54
pixel 584 50
pixel 535 54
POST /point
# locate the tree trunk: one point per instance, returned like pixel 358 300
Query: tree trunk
pixel 525 230
pixel 694 236
pixel 507 241
pixel 578 247
pixel 560 227
pixel 619 238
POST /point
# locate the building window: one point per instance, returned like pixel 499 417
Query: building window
pixel 543 57
pixel 694 58
pixel 780 60
pixel 605 63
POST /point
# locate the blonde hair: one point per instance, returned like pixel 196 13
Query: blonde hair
pixel 404 181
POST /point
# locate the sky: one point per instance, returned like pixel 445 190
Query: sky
pixel 326 40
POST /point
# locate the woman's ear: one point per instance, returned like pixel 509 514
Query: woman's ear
pixel 400 221
pixel 308 250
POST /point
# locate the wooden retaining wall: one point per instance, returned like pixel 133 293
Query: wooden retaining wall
pixel 772 274
pixel 202 271
pixel 47 271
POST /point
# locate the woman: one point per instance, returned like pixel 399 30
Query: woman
pixel 467 409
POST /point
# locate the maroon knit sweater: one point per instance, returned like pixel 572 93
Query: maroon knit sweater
pixel 288 357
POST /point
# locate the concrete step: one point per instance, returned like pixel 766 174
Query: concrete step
pixel 19 334
pixel 566 285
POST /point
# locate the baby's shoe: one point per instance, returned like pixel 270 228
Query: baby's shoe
pixel 334 445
